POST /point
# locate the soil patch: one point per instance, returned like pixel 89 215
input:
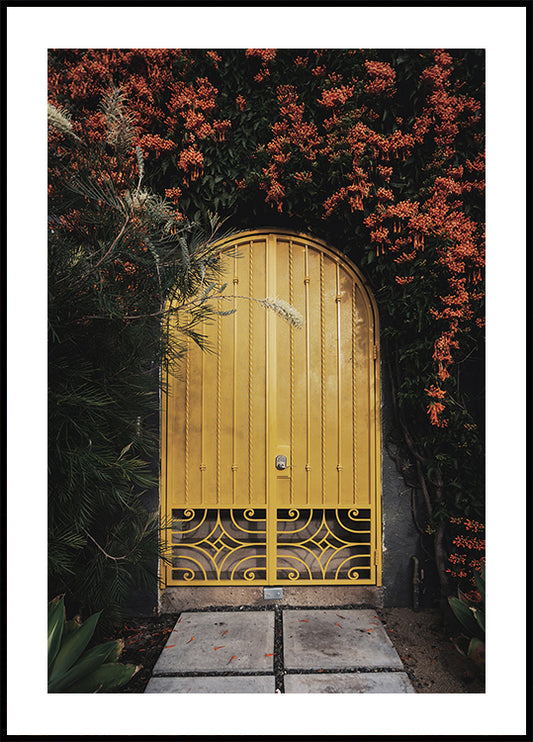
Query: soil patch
pixel 427 651
pixel 425 646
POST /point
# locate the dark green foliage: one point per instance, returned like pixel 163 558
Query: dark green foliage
pixel 115 254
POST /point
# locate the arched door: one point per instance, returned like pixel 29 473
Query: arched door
pixel 271 443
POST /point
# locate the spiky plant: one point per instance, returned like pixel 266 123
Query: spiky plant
pixel 76 667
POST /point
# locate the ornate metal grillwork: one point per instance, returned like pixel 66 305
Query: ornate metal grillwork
pixel 325 545
pixel 311 545
pixel 218 545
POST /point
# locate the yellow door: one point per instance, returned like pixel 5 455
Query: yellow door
pixel 270 443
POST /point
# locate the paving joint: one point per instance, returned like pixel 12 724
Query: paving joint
pixel 347 670
pixel 279 666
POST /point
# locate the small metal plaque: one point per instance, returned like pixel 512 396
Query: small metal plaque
pixel 272 593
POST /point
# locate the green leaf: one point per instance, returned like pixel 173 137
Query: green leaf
pixel 116 651
pixel 90 660
pixel 73 646
pixel 73 625
pixel 56 623
pixel 107 677
pixel 464 615
pixel 125 450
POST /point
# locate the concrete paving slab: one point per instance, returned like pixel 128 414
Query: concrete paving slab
pixel 336 639
pixel 349 682
pixel 219 642
pixel 210 684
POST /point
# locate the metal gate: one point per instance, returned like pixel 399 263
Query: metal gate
pixel 271 444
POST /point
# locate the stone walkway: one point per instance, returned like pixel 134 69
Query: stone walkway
pixel 287 650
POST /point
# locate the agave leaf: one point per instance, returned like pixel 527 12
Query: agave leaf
pixel 462 597
pixel 480 618
pixel 56 623
pixel 73 625
pixel 107 677
pixel 464 614
pixel 72 647
pixel 87 663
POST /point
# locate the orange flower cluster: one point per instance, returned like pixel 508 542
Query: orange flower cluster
pixel 304 177
pixel 173 194
pixel 436 392
pixel 194 104
pixel 336 96
pixel 331 203
pixel 290 132
pixel 221 127
pixel 191 160
pixel 382 78
pixel 435 409
pixel 155 143
pixel 460 248
pixel 241 102
pixel 472 543
pixel 214 57
pixel 266 56
pixel 469 524
pixel 384 194
pixel 442 352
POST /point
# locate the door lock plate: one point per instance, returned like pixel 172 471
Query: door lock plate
pixel 281 462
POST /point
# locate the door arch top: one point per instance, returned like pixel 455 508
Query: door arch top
pixel 250 234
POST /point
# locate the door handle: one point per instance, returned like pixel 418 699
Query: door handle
pixel 281 462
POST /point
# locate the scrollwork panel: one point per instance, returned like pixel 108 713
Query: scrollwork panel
pixel 323 545
pixel 213 545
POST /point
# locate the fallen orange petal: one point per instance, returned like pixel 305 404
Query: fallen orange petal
pixel 232 658
pixel 191 640
pixel 340 627
pixel 221 646
pixel 269 655
pixel 224 632
pixel 169 646
pixel 303 620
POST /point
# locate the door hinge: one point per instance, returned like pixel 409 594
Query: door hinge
pixel 375 352
pixel 375 558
